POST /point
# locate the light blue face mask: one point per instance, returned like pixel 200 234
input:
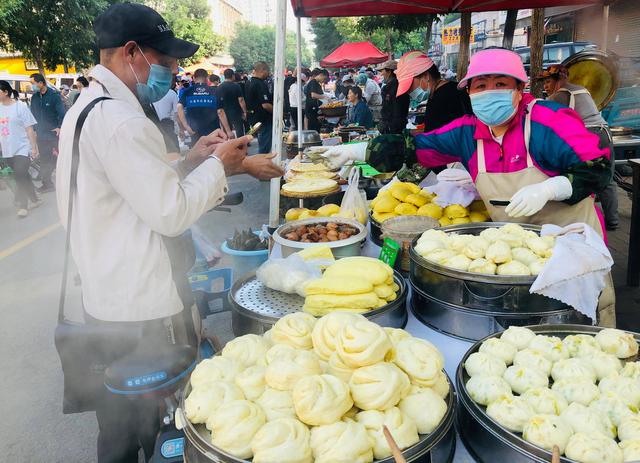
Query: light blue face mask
pixel 418 95
pixel 158 83
pixel 35 88
pixel 493 107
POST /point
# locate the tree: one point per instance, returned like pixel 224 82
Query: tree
pixel 257 43
pixel 38 30
pixel 327 37
pixel 465 39
pixel 537 45
pixel 400 24
pixel 509 28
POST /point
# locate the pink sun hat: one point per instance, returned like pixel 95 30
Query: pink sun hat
pixel 411 64
pixel 495 61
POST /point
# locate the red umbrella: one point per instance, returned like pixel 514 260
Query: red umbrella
pixel 354 54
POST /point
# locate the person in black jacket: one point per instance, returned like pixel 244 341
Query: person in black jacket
pixel 48 109
pixel 394 108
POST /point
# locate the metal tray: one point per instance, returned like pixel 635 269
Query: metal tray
pixel 471 324
pixel 439 446
pixel 472 290
pixel 256 308
pixel 484 438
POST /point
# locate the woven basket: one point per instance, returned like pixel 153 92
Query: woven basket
pixel 403 230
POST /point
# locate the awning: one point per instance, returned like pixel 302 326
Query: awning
pixel 323 8
pixel 354 54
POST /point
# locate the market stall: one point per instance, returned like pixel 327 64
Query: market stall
pixel 354 54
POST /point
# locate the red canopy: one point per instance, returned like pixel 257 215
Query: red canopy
pixel 322 8
pixel 354 54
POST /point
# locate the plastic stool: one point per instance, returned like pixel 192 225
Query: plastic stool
pixel 210 302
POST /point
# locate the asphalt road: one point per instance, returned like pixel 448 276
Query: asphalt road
pixel 33 428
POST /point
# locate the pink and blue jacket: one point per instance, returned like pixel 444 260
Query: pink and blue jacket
pixel 559 145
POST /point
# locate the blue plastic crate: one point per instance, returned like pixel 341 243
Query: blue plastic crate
pixel 209 301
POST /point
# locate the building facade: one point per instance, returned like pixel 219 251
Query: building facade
pixel 225 14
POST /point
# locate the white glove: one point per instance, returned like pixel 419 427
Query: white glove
pixel 338 156
pixel 532 198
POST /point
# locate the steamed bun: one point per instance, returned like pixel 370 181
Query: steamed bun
pixel 458 262
pixel 482 266
pixel 587 419
pixel 476 247
pixel 343 441
pixel 213 370
pixel 285 440
pixel 579 390
pixel 276 404
pixel 629 428
pixel 487 389
pixel 611 404
pixel 630 449
pixel 593 447
pixel 545 401
pixel 202 402
pixel 581 345
pixel 420 360
pixel 294 330
pixel 511 412
pixel 321 399
pixel 326 330
pixel 546 431
pixel 499 348
pixel 521 379
pixel 513 268
pixel 550 346
pixel 573 368
pixel 617 342
pixel 518 336
pixel 251 381
pixel 425 407
pixel 533 358
pixel 524 256
pixel 379 386
pixel 402 428
pixel 337 368
pixel 362 343
pixel 234 425
pixel 628 389
pixel 480 363
pixel 247 350
pixel 499 252
pixel 283 374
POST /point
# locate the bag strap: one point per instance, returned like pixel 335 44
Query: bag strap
pixel 73 186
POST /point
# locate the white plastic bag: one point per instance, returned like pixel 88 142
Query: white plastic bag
pixel 288 275
pixel 353 205
pixel 454 186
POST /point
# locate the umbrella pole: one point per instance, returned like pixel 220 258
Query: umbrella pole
pixel 299 81
pixel 278 109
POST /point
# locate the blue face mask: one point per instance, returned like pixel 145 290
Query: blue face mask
pixel 158 83
pixel 493 107
pixel 35 88
pixel 418 95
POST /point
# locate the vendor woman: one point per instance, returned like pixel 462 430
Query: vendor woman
pixel 359 112
pixel 536 155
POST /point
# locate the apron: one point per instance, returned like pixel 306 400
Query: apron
pixel 503 185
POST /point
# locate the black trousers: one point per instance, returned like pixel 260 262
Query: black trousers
pixel 25 190
pixel 609 196
pixel 47 159
pixel 237 125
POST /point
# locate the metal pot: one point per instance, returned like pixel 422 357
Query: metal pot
pixel 438 446
pixel 309 138
pixel 484 438
pixel 256 308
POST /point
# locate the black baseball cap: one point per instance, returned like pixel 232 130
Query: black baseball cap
pixel 123 22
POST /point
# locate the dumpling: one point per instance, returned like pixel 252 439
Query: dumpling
pixel 280 352
pixel 321 399
pixel 518 336
pixel 441 386
pixel 514 229
pixel 581 345
pixel 426 247
pixel 425 407
pixel 550 346
pixel 337 368
pixel 247 350
pixel 593 447
pixel 457 243
pixel 476 247
pixel 512 413
pixel 513 240
pixel 419 359
pixel 499 348
pixel 213 370
pixel 631 370
pixel 573 368
pixel 284 374
pixel 285 440
pixel 491 234
pixel 276 404
pixel 524 256
pixel 480 363
pixel 202 402
pixel 378 387
pixel 483 266
pixel 439 256
pixel 536 266
pixel 628 389
pixel 362 343
pixel 513 268
pixel 617 342
pixel 294 330
pixel 630 449
pixel 251 381
pixel 487 389
pixel 499 252
pixel 604 364
pixel 326 330
pixel 539 246
pixel 234 425
pixel 402 428
pixel 545 401
pixel 629 428
pixel 458 262
pixel 577 390
pixel 521 379
pixel 546 431
pixel 587 419
pixel 611 404
pixel 344 441
pixel 533 358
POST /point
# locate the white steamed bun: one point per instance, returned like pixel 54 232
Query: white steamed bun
pixel 425 407
pixel 480 363
pixel 546 431
pixel 341 442
pixel 294 330
pixel 419 359
pixel 326 330
pixel 234 425
pixel 321 399
pixel 521 379
pixel 247 350
pixel 511 412
pixel 518 336
pixel 487 389
pixel 362 343
pixel 402 428
pixel 499 348
pixel 533 358
pixel 617 342
pixel 588 419
pixel 283 374
pixel 379 386
pixel 593 447
pixel 203 401
pixel 285 440
pixel 545 401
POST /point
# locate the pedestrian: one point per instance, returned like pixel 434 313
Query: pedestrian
pixel 167 111
pixel 560 90
pixel 289 81
pixel 130 210
pixel 18 143
pixel 395 109
pixel 371 92
pixel 293 98
pixel 232 101
pixel 420 78
pixel 214 80
pixel 66 95
pixel 314 95
pixel 359 112
pixel 198 108
pixel 260 104
pixel 48 109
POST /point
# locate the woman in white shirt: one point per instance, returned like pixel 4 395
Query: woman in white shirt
pixel 18 142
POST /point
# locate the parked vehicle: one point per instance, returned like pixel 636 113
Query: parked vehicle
pixel 553 53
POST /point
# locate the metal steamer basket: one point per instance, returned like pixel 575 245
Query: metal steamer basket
pixel 256 308
pixel 470 305
pixel 439 446
pixel 484 438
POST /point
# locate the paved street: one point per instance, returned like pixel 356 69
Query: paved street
pixel 33 428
